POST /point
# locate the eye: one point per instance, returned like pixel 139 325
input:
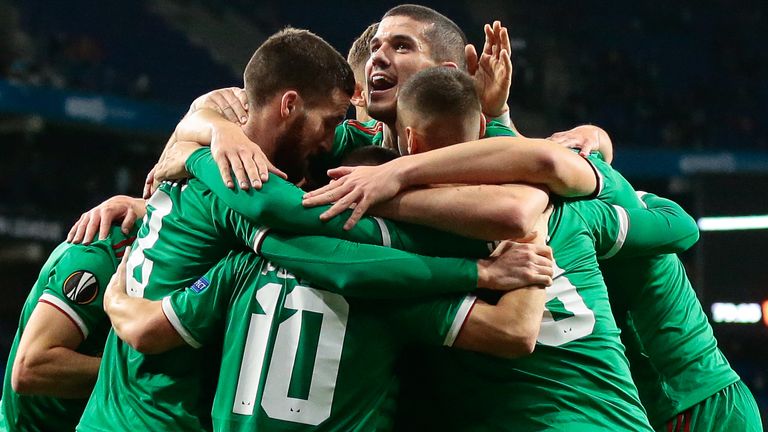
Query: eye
pixel 401 46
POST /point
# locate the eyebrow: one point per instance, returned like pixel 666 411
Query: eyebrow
pixel 396 37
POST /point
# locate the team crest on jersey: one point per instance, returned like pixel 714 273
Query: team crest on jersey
pixel 81 287
pixel 200 285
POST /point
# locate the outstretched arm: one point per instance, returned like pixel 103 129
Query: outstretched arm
pixel 662 228
pixel 488 212
pixel 360 270
pixel 488 161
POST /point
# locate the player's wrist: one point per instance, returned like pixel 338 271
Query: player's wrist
pixel 483 273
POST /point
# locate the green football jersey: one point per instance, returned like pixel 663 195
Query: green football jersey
pixel 295 356
pixel 186 231
pixel 578 377
pixel 278 205
pixel 672 351
pixel 353 134
pixel 72 280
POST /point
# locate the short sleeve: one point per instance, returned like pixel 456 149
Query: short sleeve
pixel 197 313
pixel 76 285
pixel 435 321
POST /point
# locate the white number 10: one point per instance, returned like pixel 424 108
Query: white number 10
pixel 275 399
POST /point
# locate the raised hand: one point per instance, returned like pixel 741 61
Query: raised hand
pixel 492 70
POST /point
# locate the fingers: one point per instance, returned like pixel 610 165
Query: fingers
pixel 234 108
pixel 357 214
pixel 339 172
pixel 243 97
pixel 324 195
pixel 125 227
pixel 239 170
pixel 147 192
pixel 82 224
pixel 470 53
pixel 224 169
pixel 252 170
pixel 344 199
pixel 73 231
pixel 274 170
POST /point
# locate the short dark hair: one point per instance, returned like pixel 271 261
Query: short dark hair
pixel 299 60
pixel 361 49
pixel 440 92
pixel 446 39
pixel 369 156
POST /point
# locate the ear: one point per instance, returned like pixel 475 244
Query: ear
pixel 412 140
pixel 449 64
pixel 289 103
pixel 357 98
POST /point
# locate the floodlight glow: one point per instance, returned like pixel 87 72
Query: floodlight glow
pixel 744 313
pixel 733 223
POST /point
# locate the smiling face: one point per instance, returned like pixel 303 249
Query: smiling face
pixel 399 49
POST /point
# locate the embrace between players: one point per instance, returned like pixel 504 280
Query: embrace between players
pixel 247 304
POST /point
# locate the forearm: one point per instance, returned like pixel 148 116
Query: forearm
pixel 501 160
pixel 141 323
pixel 663 228
pixel 278 198
pixel 486 212
pixel 57 372
pixel 197 126
pixel 366 271
pixel 508 329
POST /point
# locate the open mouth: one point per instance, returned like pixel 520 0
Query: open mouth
pixel 380 83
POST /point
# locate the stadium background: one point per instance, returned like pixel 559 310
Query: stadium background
pixel 89 92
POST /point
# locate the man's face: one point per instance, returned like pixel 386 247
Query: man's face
pixel 399 49
pixel 311 132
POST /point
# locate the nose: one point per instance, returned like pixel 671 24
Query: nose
pixel 379 58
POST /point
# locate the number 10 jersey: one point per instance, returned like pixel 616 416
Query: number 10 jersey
pixel 296 358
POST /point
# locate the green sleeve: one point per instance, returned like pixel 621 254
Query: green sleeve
pixel 76 285
pixel 278 205
pixel 198 312
pixel 663 228
pixel 435 321
pixel 366 271
pixel 613 188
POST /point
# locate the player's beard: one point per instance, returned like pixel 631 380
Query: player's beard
pixel 289 156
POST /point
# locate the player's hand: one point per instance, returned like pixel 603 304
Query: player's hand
pixel 99 219
pixel 116 287
pixel 233 151
pixel 492 71
pixel 231 102
pixel 585 138
pixel 173 162
pixel 515 265
pixel 359 187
